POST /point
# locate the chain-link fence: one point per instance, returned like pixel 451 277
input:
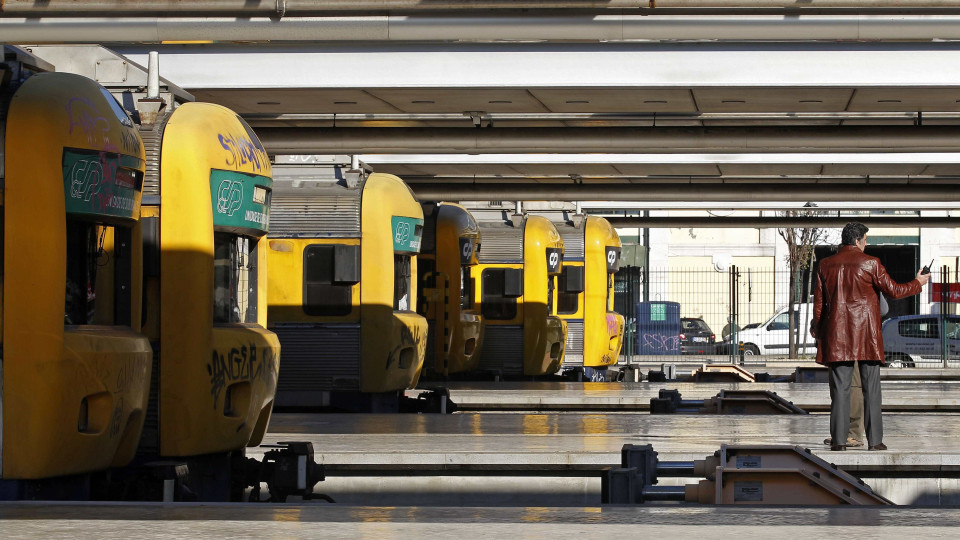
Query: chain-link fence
pixel 692 315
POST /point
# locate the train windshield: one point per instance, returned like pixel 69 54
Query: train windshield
pixel 401 282
pixel 234 279
pixel 466 288
pixel 98 274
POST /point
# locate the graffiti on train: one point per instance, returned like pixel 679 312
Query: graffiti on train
pixel 410 338
pixel 245 363
pixel 84 116
pixel 242 150
pixel 661 342
pixel 131 376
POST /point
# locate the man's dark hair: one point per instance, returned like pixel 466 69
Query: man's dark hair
pixel 852 232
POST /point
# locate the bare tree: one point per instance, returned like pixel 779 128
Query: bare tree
pixel 801 242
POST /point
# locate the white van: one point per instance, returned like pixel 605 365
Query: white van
pixel 773 336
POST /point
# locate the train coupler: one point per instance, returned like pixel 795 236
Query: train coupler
pixel 288 470
pixel 432 399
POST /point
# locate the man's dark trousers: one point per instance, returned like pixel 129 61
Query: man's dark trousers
pixel 840 404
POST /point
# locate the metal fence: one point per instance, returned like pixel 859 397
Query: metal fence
pixel 720 310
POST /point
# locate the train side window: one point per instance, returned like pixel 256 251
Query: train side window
pixel 401 282
pixel 571 285
pixel 323 294
pixel 234 279
pixel 495 305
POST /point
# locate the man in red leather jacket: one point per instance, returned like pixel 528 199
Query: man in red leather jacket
pixel 846 323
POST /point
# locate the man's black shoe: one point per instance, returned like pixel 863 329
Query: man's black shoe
pixel 880 446
pixel 840 447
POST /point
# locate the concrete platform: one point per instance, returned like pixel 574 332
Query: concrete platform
pixel 122 521
pixel 627 396
pixel 556 459
pixel 515 442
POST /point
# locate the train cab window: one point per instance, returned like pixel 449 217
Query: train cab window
pixel 466 288
pixel 495 305
pixel 551 287
pixel 610 292
pixel 234 279
pixel 98 274
pixel 401 282
pixel 323 293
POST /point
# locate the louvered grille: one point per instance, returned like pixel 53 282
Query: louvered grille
pixel 152 141
pixel 318 358
pixel 572 241
pixel 573 355
pixel 502 350
pixel 315 212
pixel 500 244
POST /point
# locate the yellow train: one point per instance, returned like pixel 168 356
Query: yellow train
pixel 75 370
pixel 136 360
pixel 451 240
pixel 205 214
pixel 515 287
pixel 342 258
pixel 585 295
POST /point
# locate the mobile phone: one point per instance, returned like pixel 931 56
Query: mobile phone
pixel 926 269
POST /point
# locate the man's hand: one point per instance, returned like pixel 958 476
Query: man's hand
pixel 922 278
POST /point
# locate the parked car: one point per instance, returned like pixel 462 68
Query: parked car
pixel 914 340
pixel 773 336
pixel 696 337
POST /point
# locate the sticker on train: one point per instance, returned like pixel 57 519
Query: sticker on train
pixel 467 247
pixel 101 183
pixel 613 259
pixel 240 201
pixel 406 234
pixel 554 260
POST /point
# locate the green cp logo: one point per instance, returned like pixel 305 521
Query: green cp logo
pixel 403 233
pixel 229 197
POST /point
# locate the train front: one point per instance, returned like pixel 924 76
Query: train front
pixel 544 333
pixel 456 327
pixel 603 327
pixel 392 334
pixel 217 362
pixel 75 370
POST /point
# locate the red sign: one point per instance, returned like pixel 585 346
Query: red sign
pixel 951 290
